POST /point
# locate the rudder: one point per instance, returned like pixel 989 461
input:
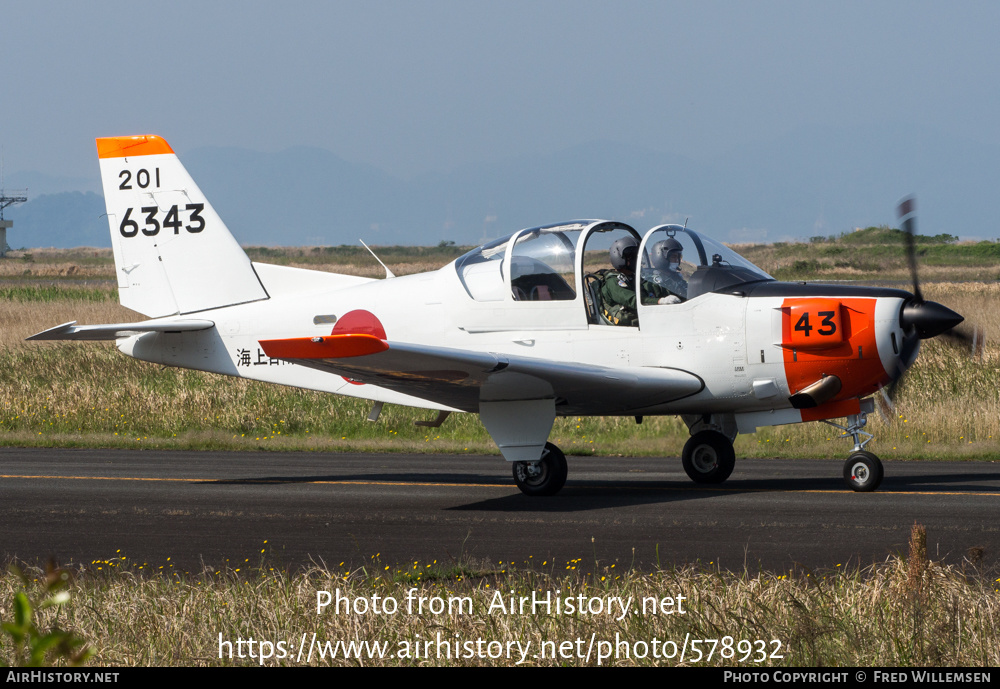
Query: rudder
pixel 173 253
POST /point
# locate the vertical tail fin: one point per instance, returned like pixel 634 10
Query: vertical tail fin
pixel 173 254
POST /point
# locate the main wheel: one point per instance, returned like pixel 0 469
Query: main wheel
pixel 709 457
pixel 547 476
pixel 863 471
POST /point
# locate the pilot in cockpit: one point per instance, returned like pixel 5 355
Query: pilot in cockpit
pixel 666 259
pixel 618 293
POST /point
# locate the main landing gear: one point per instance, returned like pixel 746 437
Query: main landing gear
pixel 544 477
pixel 863 470
pixel 708 457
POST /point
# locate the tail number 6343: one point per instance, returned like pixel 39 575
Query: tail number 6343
pixel 171 220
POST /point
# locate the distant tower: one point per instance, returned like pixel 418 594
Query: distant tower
pixel 8 198
pixel 17 196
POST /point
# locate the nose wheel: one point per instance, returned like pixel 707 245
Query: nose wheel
pixel 863 471
pixel 544 477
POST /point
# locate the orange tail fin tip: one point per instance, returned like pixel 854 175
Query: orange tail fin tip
pixel 122 146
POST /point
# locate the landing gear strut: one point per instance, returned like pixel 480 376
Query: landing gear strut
pixel 863 470
pixel 544 477
pixel 708 457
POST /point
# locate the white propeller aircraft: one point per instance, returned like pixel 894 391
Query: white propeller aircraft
pixel 518 330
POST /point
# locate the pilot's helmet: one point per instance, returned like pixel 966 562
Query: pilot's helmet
pixel 667 255
pixel 623 252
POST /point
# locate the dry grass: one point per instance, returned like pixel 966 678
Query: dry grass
pixel 77 264
pixel 370 271
pixel 905 612
pixel 19 319
pixel 979 302
pixel 87 393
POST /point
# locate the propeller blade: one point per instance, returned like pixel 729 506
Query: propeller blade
pixel 920 319
pixel 958 336
pixel 892 391
pixel 886 407
pixel 905 211
pixel 907 355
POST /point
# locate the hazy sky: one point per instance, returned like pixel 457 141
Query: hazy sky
pixel 417 86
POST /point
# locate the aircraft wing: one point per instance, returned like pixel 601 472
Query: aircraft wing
pixel 112 331
pixel 462 378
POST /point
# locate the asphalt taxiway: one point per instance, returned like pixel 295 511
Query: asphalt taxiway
pixel 222 509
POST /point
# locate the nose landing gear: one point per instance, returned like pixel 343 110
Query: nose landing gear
pixel 863 470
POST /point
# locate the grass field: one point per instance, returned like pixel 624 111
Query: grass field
pixel 905 612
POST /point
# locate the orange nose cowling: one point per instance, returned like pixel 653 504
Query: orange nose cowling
pixel 831 337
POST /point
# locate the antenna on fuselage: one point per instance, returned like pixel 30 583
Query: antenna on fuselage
pixel 388 273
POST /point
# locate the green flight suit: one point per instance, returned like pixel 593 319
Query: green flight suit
pixel 618 297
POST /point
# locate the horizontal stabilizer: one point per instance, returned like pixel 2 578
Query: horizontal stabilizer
pixel 112 331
